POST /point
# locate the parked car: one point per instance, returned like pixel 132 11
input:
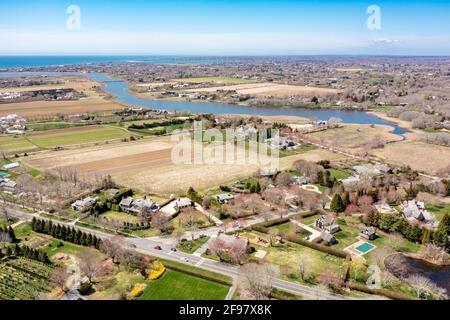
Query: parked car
pixel 173 249
pixel 158 248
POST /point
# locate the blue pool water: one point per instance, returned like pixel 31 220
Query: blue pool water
pixel 3 174
pixel 364 247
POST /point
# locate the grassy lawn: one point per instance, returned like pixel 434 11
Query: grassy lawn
pixel 339 174
pixel 289 253
pixel 350 229
pixel 55 247
pixel 439 210
pixel 16 145
pixel 120 216
pixel 193 245
pixel 22 230
pixel 303 148
pixel 111 288
pixel 84 135
pixel 174 285
pixel 43 126
pixel 309 220
pixel 152 232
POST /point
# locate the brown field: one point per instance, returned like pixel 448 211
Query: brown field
pixel 269 89
pixel 94 101
pixel 147 165
pixel 76 83
pixel 418 155
pixel 356 135
pixel 37 108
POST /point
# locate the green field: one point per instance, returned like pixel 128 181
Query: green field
pixel 120 216
pixel 43 126
pixel 193 245
pixel 339 174
pixel 22 279
pixel 16 145
pixel 174 285
pixel 439 210
pixel 303 148
pixel 62 137
pixel 59 246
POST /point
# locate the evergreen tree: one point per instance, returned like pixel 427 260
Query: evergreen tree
pixel 17 251
pixel 426 236
pixel 77 237
pixel 33 223
pixel 320 178
pixel 336 204
pixel 83 239
pixel 8 252
pixel 441 234
pixel 89 241
pixel 12 235
pixel 346 199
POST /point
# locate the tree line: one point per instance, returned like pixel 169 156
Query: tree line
pixel 65 233
pixel 26 252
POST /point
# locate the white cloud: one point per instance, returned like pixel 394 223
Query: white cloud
pixel 386 41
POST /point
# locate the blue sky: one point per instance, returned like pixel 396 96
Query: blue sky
pixel 233 27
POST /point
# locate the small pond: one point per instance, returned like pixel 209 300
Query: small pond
pixel 403 266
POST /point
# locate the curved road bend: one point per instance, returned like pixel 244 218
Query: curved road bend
pixel 146 246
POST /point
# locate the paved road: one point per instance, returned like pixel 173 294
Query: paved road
pixel 147 246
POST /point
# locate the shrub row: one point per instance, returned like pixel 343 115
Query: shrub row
pixel 383 292
pixel 263 226
pixel 207 275
pixel 335 252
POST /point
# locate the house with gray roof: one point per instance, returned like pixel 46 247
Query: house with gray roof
pixel 415 210
pixel 183 203
pixel 138 207
pixel 8 186
pixel 328 238
pixel 224 198
pixel 85 204
pixel 368 233
pixel 327 223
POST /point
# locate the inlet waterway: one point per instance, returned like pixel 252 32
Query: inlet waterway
pixel 120 90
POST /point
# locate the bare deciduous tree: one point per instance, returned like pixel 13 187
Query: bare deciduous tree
pixel 113 248
pixel 424 287
pixel 303 265
pixel 58 279
pixel 256 280
pixel 91 265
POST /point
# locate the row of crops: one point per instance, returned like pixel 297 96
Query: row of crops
pixel 23 279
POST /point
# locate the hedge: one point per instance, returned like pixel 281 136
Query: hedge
pixel 263 227
pixel 382 292
pixel 335 252
pixel 197 272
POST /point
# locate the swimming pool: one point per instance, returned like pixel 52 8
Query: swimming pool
pixel 3 174
pixel 365 247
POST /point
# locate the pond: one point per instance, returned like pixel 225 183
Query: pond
pixel 403 266
pixel 120 89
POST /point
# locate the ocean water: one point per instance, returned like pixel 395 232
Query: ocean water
pixel 8 62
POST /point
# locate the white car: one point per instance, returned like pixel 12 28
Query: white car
pixel 185 259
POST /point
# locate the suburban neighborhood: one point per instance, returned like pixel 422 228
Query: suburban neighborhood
pixel 283 153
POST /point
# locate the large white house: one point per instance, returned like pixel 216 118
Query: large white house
pixel 85 204
pixel 138 207
pixel 415 210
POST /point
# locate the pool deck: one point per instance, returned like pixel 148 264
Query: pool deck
pixel 355 252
